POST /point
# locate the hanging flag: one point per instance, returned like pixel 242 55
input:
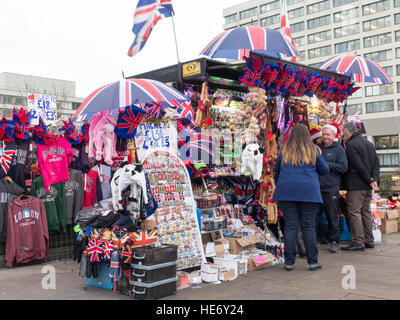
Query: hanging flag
pixel 147 14
pixel 285 31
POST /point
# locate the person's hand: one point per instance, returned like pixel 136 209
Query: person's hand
pixel 374 186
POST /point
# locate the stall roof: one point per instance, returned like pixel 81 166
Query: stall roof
pixel 219 75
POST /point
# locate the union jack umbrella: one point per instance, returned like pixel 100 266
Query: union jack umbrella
pixel 236 43
pixel 128 121
pixel 123 93
pixel 358 68
pixel 95 249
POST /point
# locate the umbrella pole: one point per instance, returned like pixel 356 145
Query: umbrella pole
pixel 179 66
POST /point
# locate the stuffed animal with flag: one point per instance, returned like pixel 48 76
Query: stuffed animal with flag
pixel 41 134
pixel 72 134
pixel 128 121
pixel 253 72
pixel 22 123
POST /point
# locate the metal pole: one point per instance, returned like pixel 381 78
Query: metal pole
pixel 180 81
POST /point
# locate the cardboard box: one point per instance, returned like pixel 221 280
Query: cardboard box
pixel 257 263
pixel 227 275
pixel 209 268
pixel 236 245
pixel 389 226
pixel 232 262
pixel 209 277
pixel 219 250
pixel 392 214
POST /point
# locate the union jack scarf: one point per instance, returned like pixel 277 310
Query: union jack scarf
pixel 5 158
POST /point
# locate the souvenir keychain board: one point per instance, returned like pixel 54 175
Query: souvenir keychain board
pixel 176 218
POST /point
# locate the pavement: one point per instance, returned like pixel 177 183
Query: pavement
pixel 376 278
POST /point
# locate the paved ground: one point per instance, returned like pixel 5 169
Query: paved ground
pixel 377 277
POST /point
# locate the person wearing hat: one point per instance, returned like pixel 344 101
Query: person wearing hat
pixel 316 136
pixel 335 156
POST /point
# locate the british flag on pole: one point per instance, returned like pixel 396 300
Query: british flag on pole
pixel 147 14
pixel 285 31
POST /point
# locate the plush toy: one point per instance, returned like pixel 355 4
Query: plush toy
pixel 252 132
pixel 252 158
pixel 203 111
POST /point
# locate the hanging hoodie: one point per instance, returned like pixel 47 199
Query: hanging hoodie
pixel 8 192
pixel 54 202
pixel 80 160
pixel 73 194
pixel 19 162
pixel 93 191
pixel 54 160
pixel 7 153
pixel 27 233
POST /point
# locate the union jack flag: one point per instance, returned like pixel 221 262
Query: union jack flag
pixel 95 249
pixel 154 110
pixel 108 247
pixel 147 14
pixel 121 157
pixel 286 33
pixel 144 238
pixel 128 121
pixel 5 159
pixel 185 111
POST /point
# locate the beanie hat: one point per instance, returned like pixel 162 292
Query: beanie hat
pixel 333 127
pixel 315 133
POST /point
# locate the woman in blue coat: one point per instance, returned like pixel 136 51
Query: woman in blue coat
pixel 298 193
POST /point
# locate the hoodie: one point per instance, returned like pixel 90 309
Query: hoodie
pixel 27 233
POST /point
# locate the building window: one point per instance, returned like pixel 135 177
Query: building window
pixel 388 159
pixel 297 27
pixel 318 22
pixel 290 2
pixel 376 7
pixel 270 20
pixel 357 94
pixel 296 13
pixel 300 41
pixel 397 18
pixel 389 70
pixel 337 3
pixel 231 18
pixel 347 30
pixel 251 23
pixel 248 13
pixel 380 55
pixel 346 15
pixel 319 36
pixel 377 90
pixel 396 3
pixel 354 108
pixel 397 35
pixel 302 57
pixel 319 6
pixel 347 46
pixel 377 40
pixel 319 52
pixel 380 106
pixel 398 70
pixel 397 52
pixel 378 23
pixel 398 87
pixel 271 6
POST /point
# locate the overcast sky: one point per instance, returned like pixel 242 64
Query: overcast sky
pixel 87 40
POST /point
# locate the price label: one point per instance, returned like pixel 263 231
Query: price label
pixel 42 105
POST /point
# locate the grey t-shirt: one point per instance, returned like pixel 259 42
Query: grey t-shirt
pixel 73 194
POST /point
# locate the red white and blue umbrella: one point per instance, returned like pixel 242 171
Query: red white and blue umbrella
pixel 238 42
pixel 123 93
pixel 358 68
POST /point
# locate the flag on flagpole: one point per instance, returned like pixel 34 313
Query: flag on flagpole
pixel 147 14
pixel 285 31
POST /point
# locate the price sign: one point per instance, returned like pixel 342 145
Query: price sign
pixel 42 105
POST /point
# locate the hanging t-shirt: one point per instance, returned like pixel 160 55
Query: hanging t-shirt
pixel 7 153
pixel 80 160
pixel 27 233
pixel 54 202
pixel 19 162
pixel 93 191
pixel 8 192
pixel 104 172
pixel 54 160
pixel 73 194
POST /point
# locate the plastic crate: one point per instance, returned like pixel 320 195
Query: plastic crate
pixel 154 273
pixel 155 290
pixel 103 280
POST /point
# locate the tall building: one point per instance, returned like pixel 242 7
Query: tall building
pixel 322 29
pixel 15 88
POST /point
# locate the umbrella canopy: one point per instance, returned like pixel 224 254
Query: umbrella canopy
pixel 118 95
pixel 237 42
pixel 358 68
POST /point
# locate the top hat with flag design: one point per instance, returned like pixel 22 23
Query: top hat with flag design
pixel 72 134
pixel 128 121
pixel 22 123
pixel 41 134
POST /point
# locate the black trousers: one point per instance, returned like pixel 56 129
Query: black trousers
pixel 331 207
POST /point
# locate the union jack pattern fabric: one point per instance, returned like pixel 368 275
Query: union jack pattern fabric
pixel 5 159
pixel 22 123
pixel 286 33
pixel 72 134
pixel 185 110
pixel 108 247
pixel 144 238
pixel 146 16
pixel 95 250
pixel 128 121
pixel 154 111
pixel 122 156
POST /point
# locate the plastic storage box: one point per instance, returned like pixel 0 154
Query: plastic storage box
pixel 155 290
pixel 103 280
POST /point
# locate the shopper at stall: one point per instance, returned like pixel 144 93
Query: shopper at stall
pixel 360 179
pixel 298 193
pixel 335 157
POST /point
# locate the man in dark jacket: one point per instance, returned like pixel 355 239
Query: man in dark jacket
pixel 360 179
pixel 335 157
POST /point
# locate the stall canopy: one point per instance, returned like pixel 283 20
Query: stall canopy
pixel 218 74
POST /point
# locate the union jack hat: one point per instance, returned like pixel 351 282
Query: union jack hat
pixel 9 130
pixel 22 123
pixel 128 121
pixel 85 132
pixel 41 134
pixel 71 133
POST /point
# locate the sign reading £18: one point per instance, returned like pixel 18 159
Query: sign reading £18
pixel 42 105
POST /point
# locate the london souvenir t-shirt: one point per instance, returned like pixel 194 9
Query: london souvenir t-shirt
pixel 54 160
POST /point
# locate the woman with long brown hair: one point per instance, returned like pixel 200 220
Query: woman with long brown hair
pixel 298 193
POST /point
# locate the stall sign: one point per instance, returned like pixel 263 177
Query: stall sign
pixel 191 69
pixel 42 105
pixel 156 136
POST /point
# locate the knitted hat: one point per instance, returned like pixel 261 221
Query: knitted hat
pixel 72 134
pixel 315 133
pixel 41 134
pixel 22 123
pixel 333 127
